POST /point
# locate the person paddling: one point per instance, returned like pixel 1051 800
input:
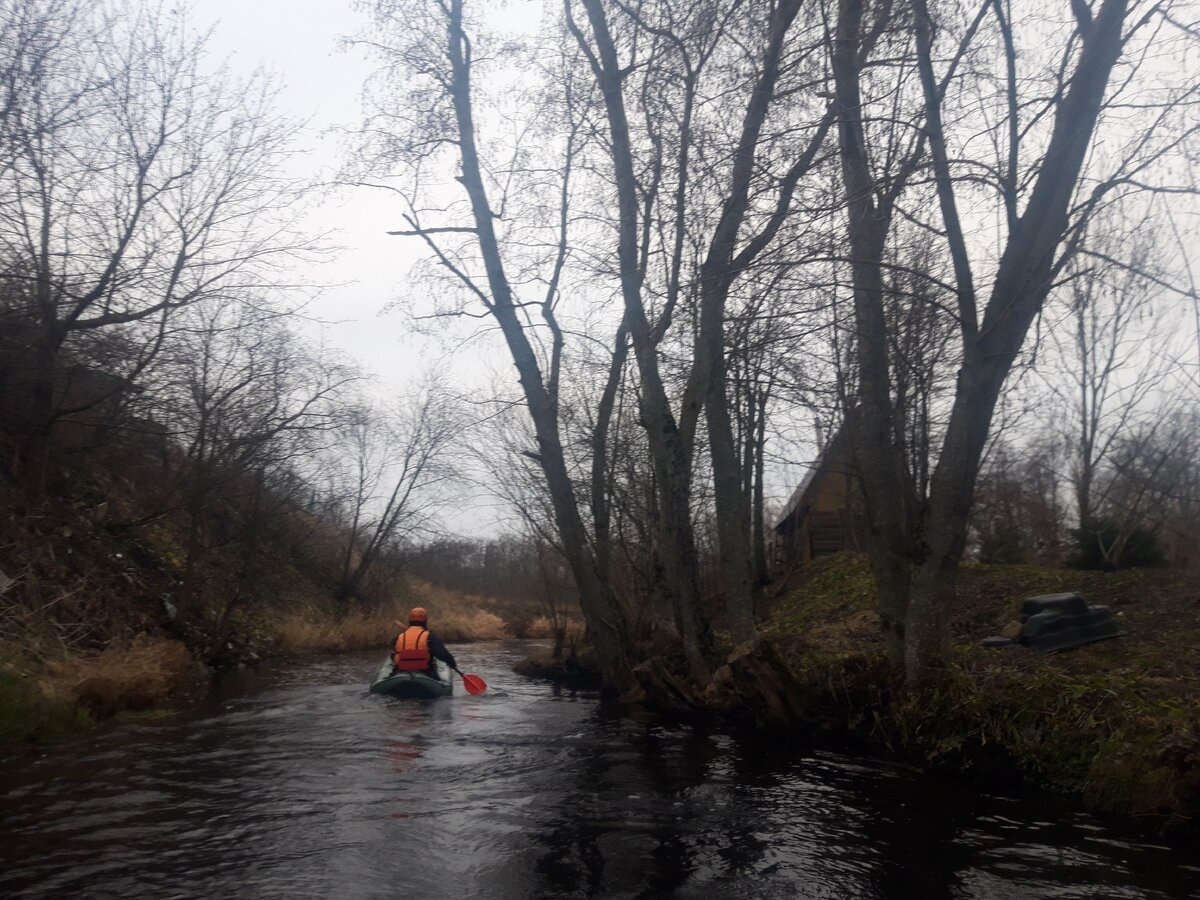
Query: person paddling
pixel 416 647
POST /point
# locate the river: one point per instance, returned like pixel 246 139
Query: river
pixel 294 782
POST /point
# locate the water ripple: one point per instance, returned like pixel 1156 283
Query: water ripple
pixel 295 782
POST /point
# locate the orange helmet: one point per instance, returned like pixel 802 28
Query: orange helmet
pixel 418 614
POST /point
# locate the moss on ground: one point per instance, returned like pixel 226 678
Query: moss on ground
pixel 28 714
pixel 1116 722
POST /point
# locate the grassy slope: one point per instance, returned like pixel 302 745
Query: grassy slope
pixel 1117 721
pixel 85 634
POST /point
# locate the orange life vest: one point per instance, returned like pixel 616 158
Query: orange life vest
pixel 412 650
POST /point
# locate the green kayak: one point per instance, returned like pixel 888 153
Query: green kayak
pixel 416 685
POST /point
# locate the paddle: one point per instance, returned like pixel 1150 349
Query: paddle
pixel 473 683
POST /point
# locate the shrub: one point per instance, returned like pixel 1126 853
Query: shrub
pixel 1102 544
pixel 1002 545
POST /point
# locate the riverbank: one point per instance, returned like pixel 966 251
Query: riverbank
pixel 127 574
pixel 520 793
pixel 50 692
pixel 1115 723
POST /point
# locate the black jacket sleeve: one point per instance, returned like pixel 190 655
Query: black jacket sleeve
pixel 439 651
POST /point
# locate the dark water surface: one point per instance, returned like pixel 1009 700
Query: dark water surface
pixel 295 782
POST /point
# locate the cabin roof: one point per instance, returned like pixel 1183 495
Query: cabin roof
pixel 803 494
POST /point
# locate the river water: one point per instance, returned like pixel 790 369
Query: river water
pixel 294 782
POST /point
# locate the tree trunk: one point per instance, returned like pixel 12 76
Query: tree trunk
pixel 668 452
pixel 733 521
pixel 878 459
pixel 716 278
pixel 601 511
pixel 605 623
pixel 943 536
pixel 915 552
pixel 762 572
pixel 1023 281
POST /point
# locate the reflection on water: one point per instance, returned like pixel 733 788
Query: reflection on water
pixel 295 782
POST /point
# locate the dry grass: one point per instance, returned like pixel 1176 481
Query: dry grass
pixel 136 676
pixel 467 627
pixel 49 687
pixel 455 618
pixel 539 628
pixel 299 633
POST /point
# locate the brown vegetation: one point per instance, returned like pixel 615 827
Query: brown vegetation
pixel 52 683
pixel 46 697
pixel 137 676
pixel 454 617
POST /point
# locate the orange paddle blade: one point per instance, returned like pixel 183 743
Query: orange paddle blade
pixel 473 683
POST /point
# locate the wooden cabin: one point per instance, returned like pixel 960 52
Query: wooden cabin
pixel 824 514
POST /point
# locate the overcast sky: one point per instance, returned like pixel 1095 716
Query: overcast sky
pixel 301 42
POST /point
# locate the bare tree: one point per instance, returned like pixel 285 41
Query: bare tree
pixel 697 42
pixel 1116 353
pixel 32 37
pixel 248 404
pixel 1019 515
pixel 397 472
pixel 1175 512
pixel 430 44
pixel 135 183
pixel 1143 487
pixel 1038 182
pixel 680 123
